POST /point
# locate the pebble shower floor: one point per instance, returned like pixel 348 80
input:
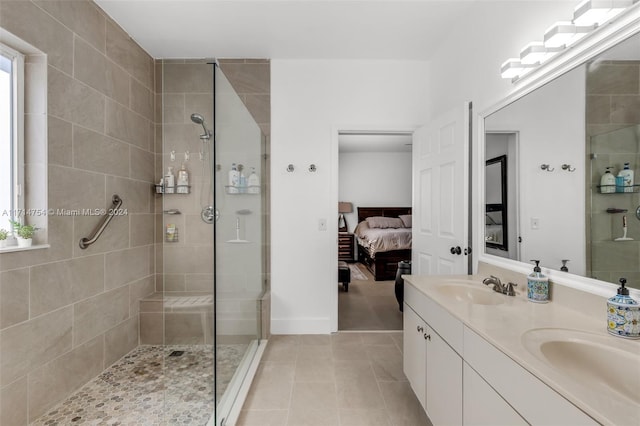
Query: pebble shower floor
pixel 149 387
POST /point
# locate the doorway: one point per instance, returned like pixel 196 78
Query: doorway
pixel 374 170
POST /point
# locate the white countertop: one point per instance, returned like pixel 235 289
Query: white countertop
pixel 504 325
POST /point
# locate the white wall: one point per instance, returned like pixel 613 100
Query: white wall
pixel 311 100
pixel 374 179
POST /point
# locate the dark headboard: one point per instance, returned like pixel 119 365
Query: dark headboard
pixel 365 212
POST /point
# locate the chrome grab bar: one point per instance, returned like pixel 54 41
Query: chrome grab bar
pixel 116 202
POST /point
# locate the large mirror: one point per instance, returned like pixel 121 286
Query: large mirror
pixel 560 138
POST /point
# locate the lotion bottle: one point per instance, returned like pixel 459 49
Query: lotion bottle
pixel 627 175
pixel 608 182
pixel 170 181
pixel 623 314
pixel 183 180
pixel 537 285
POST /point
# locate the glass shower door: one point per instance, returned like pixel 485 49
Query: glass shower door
pixel 239 230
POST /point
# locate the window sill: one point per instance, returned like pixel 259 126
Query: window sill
pixel 11 249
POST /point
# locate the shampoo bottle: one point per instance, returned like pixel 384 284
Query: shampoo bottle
pixel 537 285
pixel 183 180
pixel 627 176
pixel 234 178
pixel 623 314
pixel 608 182
pixel 253 182
pixel 169 181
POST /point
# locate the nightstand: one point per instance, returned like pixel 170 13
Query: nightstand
pixel 346 246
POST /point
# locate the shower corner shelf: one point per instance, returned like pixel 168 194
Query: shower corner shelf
pixel 240 190
pixel 177 189
pixel 613 189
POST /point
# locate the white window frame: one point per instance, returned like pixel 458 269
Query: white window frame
pixel 17 142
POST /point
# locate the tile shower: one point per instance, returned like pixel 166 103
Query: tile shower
pixel 72 320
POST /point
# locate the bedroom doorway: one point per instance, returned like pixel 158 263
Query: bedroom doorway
pixel 374 171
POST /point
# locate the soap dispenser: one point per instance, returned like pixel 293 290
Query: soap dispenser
pixel 537 285
pixel 623 314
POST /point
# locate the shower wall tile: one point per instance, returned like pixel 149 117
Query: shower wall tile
pixel 59 144
pixel 248 78
pixel 126 125
pixel 96 70
pixel 81 17
pixel 14 297
pixel 174 282
pixel 613 79
pixel 74 101
pixel 58 284
pixel 13 403
pixel 199 282
pixel 135 194
pixel 140 290
pixel 142 229
pixel 260 107
pixel 37 27
pixel 202 103
pixel 120 340
pixel 125 266
pixel 34 343
pixel 142 99
pixel 74 189
pixel 184 328
pixel 115 236
pixel 187 78
pixel 99 153
pixel 197 231
pixel 626 109
pixel 151 328
pixel 142 164
pixel 124 51
pixel 54 381
pixel 98 314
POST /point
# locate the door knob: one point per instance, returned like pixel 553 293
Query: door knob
pixel 456 250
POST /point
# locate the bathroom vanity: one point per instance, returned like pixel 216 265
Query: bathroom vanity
pixel 475 356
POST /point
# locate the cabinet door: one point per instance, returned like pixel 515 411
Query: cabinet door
pixel 444 382
pixel 483 406
pixel 414 352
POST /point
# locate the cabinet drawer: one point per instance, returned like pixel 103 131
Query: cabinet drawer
pixel 530 397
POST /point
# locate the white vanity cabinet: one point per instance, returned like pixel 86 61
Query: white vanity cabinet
pixel 433 367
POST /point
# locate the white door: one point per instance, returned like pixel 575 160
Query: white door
pixel 441 195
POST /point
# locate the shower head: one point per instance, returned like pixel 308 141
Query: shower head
pixel 199 119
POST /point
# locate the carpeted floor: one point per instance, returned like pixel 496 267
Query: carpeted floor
pixel 368 305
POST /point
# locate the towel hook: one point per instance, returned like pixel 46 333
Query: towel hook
pixel 546 167
pixel 290 168
pixel 568 168
pixel 312 168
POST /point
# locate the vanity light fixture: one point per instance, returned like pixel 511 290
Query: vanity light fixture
pixel 564 34
pixel 513 68
pixel 597 12
pixel 538 53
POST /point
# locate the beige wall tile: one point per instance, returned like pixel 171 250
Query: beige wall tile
pixel 59 138
pixel 74 101
pixel 136 195
pixel 13 403
pixel 114 237
pixel 58 379
pixel 259 106
pixel 172 108
pixel 126 53
pixel 29 345
pixel 139 290
pixel 95 316
pixel 14 297
pixel 197 231
pixel 625 109
pixel 187 259
pixel 99 72
pixel 120 340
pixel 248 78
pixel 613 79
pixel 75 189
pixel 35 26
pixel 125 266
pixel 184 328
pixel 58 284
pixel 174 282
pixel 199 282
pixel 142 229
pixel 151 329
pixel 81 16
pixel 202 103
pixel 181 78
pixel 142 100
pixel 126 125
pixel 98 153
pixel 142 165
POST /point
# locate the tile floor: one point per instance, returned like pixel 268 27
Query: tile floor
pixel 344 379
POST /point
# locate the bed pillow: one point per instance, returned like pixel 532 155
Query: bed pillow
pixel 406 220
pixel 384 222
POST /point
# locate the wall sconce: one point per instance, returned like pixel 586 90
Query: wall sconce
pixel 343 207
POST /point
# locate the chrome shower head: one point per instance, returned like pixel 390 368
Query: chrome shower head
pixel 199 119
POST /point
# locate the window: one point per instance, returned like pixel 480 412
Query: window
pixel 11 136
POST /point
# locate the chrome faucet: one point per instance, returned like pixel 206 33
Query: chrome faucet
pixel 495 281
pixel 499 287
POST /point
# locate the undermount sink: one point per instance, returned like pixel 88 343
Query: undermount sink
pixel 588 358
pixel 467 292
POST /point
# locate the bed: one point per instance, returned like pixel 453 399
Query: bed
pixel 382 260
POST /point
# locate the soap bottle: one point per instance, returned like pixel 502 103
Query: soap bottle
pixel 169 181
pixel 253 182
pixel 537 285
pixel 623 314
pixel 183 180
pixel 627 175
pixel 608 182
pixel 234 178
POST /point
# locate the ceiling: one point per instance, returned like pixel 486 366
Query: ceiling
pixel 375 142
pixel 288 29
